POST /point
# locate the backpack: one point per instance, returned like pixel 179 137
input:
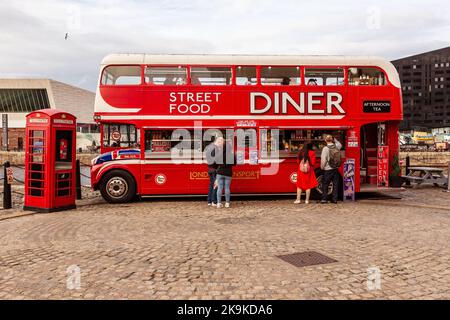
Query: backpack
pixel 304 166
pixel 334 157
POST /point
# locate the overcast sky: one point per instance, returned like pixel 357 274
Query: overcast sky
pixel 32 32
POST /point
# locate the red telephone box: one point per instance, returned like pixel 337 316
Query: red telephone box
pixel 50 161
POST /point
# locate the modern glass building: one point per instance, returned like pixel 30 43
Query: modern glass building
pixel 21 96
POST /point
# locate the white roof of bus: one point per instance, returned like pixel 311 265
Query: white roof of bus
pixel 231 59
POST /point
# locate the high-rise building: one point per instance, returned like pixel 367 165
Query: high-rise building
pixel 425 82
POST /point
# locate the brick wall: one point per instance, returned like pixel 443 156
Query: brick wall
pixel 14 137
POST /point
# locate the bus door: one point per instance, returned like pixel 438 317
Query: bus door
pixel 373 135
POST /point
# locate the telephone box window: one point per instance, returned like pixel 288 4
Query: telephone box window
pixel 63 151
pixel 36 143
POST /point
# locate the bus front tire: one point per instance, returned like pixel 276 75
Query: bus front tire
pixel 118 186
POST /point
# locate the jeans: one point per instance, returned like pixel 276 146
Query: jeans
pixel 223 182
pixel 212 193
pixel 328 176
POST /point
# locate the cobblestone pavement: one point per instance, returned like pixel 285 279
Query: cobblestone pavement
pixel 182 249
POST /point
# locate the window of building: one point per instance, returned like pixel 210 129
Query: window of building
pixel 324 76
pixel 366 77
pixel 121 75
pixel 211 76
pixel 88 128
pixel 120 136
pixel 23 100
pixel 286 76
pixel 166 75
pixel 246 76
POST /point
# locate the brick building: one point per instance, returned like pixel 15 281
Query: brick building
pixel 425 82
pixel 18 97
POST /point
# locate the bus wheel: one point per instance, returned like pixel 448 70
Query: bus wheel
pixel 118 186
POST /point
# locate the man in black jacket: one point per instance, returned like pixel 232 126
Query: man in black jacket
pixel 211 153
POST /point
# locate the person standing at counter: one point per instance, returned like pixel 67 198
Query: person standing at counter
pixel 330 161
pixel 211 154
pixel 306 178
pixel 224 173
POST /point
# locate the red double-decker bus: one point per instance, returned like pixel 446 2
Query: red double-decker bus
pixel 276 104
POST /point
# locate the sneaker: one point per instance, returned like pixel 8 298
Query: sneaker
pixel 297 201
pixel 209 203
pixel 219 205
pixel 334 201
pixel 227 205
pixel 323 201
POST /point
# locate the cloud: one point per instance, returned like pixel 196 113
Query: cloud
pixel 32 32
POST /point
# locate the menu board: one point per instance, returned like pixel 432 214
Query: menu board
pixel 352 139
pixel 383 166
pixel 161 146
pixel 349 180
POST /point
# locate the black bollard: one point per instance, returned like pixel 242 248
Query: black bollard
pixel 78 179
pixel 7 202
pixel 408 183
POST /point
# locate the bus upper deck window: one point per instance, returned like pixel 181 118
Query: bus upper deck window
pixel 324 76
pixel 280 76
pixel 121 75
pixel 366 77
pixel 246 76
pixel 166 75
pixel 211 76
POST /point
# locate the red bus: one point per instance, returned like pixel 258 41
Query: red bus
pixel 276 103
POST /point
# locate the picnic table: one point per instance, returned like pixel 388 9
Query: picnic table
pixel 426 175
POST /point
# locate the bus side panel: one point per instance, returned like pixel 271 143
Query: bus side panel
pixel 247 178
pixel 159 177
